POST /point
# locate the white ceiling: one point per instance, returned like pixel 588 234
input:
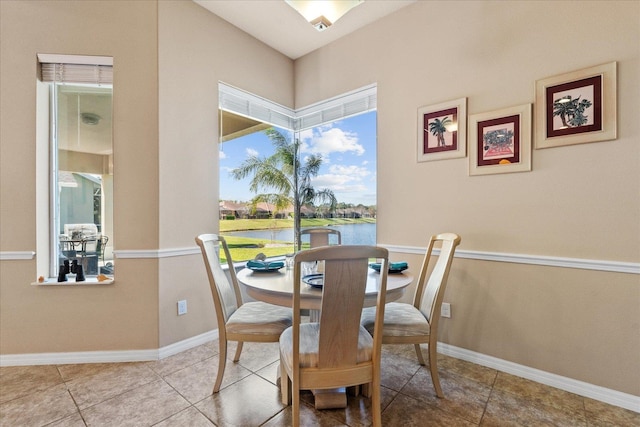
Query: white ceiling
pixel 278 25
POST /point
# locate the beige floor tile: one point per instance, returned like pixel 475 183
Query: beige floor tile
pixel 255 356
pixel 540 393
pixel 249 402
pixel 17 381
pixel 189 417
pixel 308 417
pixel 90 390
pixel 396 371
pixel 144 405
pixel 601 414
pixel 75 371
pixel 463 397
pixel 184 359
pixel 271 372
pixel 505 408
pixel 74 420
pixel 405 411
pixel 39 408
pixel 466 369
pixel 176 391
pixel 196 382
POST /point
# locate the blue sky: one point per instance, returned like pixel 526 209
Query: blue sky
pixel 348 149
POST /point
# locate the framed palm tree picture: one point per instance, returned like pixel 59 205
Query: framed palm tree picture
pixel 577 107
pixel 442 130
pixel 500 141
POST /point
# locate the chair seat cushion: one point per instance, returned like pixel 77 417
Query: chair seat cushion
pixel 259 318
pixel 400 320
pixel 309 339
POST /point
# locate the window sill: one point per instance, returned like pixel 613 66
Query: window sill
pixel 90 281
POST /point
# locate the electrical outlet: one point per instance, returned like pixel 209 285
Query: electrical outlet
pixel 445 309
pixel 182 307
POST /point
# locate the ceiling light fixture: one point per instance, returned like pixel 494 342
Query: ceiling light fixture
pixel 322 13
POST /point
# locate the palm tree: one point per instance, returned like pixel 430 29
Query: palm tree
pixel 571 111
pixel 285 175
pixel 438 128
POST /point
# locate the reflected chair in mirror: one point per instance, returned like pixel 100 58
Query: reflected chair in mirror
pixel 321 236
pixel 89 254
pixel 417 323
pixel 67 246
pixel 237 321
pixel 102 247
pixel 336 351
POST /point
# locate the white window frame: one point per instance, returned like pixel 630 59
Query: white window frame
pixel 72 69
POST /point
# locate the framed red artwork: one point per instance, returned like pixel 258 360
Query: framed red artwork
pixel 576 107
pixel 442 130
pixel 500 141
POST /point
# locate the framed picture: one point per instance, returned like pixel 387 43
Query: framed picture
pixel 577 107
pixel 442 130
pixel 500 141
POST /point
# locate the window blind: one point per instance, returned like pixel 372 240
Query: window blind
pixel 248 105
pixel 76 69
pixel 350 104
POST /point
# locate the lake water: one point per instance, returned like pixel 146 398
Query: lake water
pixel 352 234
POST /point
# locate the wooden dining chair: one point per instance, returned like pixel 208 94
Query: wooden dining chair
pixel 237 321
pixel 417 323
pixel 321 236
pixel 336 351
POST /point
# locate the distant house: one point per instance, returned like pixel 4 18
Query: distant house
pixel 238 210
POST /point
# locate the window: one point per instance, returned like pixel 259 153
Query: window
pixel 340 132
pixel 78 91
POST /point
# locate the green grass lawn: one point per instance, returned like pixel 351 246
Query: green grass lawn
pixel 266 224
pixel 243 248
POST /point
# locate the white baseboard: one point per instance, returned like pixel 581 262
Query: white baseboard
pixel 580 388
pixel 612 397
pixel 187 344
pixel 106 356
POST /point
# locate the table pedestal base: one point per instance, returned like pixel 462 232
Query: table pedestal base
pixel 330 398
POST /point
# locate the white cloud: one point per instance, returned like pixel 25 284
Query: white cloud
pixel 251 152
pixel 222 155
pixel 331 140
pixel 343 179
pixel 354 172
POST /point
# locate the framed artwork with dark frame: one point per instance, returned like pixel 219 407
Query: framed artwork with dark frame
pixel 577 107
pixel 500 141
pixel 442 130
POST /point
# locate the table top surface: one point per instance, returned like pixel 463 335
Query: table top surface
pixel 276 287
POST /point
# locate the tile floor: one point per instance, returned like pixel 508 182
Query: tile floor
pixel 176 391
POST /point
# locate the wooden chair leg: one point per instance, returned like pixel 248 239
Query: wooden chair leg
pixel 433 368
pixel 222 363
pixel 419 354
pixel 295 407
pixel 285 385
pixel 376 403
pixel 238 351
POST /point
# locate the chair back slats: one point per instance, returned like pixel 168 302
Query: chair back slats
pixel 321 236
pixel 226 295
pixel 343 293
pixel 345 284
pixel 431 290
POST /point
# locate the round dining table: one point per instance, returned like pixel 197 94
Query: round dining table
pixel 276 287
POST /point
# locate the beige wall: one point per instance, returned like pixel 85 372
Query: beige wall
pixel 196 50
pixel 123 316
pixel 168 58
pixel 578 202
